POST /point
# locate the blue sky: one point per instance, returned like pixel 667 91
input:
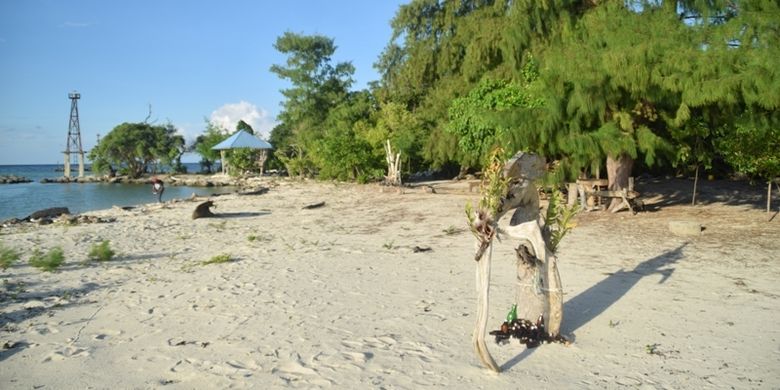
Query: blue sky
pixel 189 59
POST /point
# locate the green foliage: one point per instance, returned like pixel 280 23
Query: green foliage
pixel 752 151
pixel 575 82
pixel 492 191
pixel 242 160
pixel 137 148
pixel 218 259
pixel 241 125
pixel 203 144
pixel 343 152
pixel 48 262
pixel 8 257
pixel 558 220
pixel 471 118
pixel 101 251
pixel 317 88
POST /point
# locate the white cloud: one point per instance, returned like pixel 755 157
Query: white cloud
pixel 229 114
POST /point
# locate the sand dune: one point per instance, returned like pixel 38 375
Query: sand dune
pixel 336 297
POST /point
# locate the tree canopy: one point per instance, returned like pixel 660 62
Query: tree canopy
pixel 660 82
pixel 138 148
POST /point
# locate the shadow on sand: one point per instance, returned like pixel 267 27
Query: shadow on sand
pixel 240 215
pixel 590 303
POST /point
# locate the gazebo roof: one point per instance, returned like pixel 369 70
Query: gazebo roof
pixel 242 139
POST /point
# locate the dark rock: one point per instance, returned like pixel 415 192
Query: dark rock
pixel 13 179
pixel 49 213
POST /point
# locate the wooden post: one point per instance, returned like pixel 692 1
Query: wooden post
pixel 222 161
pixel 769 197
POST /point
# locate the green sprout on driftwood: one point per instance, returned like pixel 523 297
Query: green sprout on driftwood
pixel 493 188
pixel 558 220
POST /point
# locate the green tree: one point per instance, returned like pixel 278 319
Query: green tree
pixel 752 151
pixel 438 52
pixel 638 79
pixel 344 151
pixel 137 148
pixel 317 87
pixel 203 144
pixel 241 125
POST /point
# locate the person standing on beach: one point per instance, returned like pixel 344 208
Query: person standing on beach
pixel 158 188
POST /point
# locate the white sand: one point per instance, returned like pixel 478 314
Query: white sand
pixel 335 297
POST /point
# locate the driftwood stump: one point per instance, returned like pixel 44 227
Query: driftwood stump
pixel 538 291
pixel 203 210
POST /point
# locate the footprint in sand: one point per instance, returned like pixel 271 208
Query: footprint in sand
pixel 293 370
pixel 419 350
pixel 45 329
pixel 105 334
pixel 231 368
pixel 65 353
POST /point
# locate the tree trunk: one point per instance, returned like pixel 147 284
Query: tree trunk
pixel 618 172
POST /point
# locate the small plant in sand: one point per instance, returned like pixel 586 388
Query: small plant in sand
pixel 218 259
pixel 452 230
pixel 48 262
pixel 101 252
pixel 251 238
pixel 389 245
pixel 8 256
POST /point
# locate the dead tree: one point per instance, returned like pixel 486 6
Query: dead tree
pixel 393 177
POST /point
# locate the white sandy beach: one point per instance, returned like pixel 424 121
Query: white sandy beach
pixel 336 297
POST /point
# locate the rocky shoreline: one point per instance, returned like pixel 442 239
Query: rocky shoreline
pixel 13 179
pixel 171 180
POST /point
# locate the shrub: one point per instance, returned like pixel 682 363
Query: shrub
pixel 47 262
pixel 8 256
pixel 101 252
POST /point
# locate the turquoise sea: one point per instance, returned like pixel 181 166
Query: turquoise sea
pixel 20 200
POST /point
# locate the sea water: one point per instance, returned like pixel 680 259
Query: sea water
pixel 21 199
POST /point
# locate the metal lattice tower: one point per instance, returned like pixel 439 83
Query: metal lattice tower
pixel 73 151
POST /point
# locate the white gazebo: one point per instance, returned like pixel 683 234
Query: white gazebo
pixel 242 139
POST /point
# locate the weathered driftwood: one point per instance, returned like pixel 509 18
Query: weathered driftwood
pixel 313 206
pixel 538 290
pixel 203 210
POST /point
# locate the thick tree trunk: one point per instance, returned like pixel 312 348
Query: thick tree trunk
pixel 618 172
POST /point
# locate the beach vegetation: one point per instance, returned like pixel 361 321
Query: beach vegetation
pixel 589 86
pixel 101 252
pixel 452 230
pixel 8 256
pixel 134 149
pixel 218 259
pixel 204 142
pixel 48 261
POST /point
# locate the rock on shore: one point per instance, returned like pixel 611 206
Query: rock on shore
pixel 13 179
